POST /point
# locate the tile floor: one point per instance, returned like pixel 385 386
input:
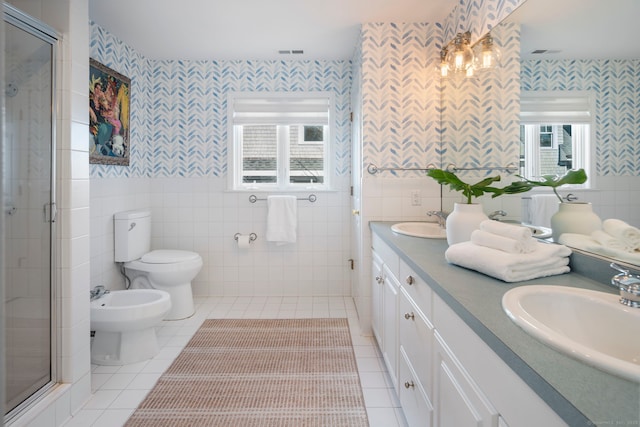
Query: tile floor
pixel 117 390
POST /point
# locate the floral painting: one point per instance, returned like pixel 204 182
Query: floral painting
pixel 109 100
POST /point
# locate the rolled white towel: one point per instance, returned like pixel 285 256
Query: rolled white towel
pixel 511 231
pixel 547 260
pixel 629 234
pixel 587 243
pixel 609 241
pixel 502 243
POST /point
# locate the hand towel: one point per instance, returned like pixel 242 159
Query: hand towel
pixel 546 260
pixel 511 231
pixel 609 241
pixel 505 244
pixel 629 234
pixel 542 207
pixel 282 219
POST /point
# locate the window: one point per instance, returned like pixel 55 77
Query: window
pixel 546 136
pixel 556 133
pixel 279 141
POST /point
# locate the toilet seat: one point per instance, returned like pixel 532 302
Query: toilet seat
pixel 168 256
pixel 166 261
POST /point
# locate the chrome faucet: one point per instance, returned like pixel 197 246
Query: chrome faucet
pixel 98 292
pixel 495 214
pixel 628 285
pixel 441 217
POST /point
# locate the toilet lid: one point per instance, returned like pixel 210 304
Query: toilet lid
pixel 168 256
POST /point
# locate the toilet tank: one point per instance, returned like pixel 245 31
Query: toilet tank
pixel 132 234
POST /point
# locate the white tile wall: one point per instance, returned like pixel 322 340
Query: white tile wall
pixel 197 214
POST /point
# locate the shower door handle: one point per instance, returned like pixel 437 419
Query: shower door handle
pixel 50 212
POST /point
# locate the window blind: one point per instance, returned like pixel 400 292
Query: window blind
pixel 556 107
pixel 280 110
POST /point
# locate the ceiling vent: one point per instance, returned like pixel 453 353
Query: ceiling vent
pixel 291 52
pixel 541 51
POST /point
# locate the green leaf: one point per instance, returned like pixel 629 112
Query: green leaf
pixel 572 176
pixel 468 190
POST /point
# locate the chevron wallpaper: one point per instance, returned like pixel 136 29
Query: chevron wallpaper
pixel 179 117
pixel 615 83
pixel 400 94
pixel 480 115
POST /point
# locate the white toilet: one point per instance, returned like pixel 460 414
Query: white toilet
pixel 124 324
pixel 167 270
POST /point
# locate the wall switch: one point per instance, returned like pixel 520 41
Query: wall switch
pixel 416 199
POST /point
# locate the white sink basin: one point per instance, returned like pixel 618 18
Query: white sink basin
pixel 427 230
pixel 537 231
pixel 590 326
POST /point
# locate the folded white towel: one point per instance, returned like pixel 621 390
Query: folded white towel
pixel 629 234
pixel 511 231
pixel 282 219
pixel 609 241
pixel 546 260
pixel 588 244
pixel 502 243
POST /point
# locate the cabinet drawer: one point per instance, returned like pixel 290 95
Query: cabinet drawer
pixel 419 291
pixel 416 338
pixel 415 404
pixel 458 400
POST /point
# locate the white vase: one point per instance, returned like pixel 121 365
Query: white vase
pixel 574 217
pixel 462 221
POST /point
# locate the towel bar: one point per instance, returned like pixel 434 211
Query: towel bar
pixel 311 198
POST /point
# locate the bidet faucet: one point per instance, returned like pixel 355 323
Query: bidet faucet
pixel 441 217
pixel 495 214
pixel 98 292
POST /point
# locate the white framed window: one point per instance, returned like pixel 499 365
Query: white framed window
pixel 556 134
pixel 280 140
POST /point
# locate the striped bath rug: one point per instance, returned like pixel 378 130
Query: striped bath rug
pixel 262 372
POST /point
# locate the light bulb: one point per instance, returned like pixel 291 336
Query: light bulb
pixel 489 55
pixel 460 58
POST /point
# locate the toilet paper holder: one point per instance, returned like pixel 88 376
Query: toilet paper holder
pixel 252 236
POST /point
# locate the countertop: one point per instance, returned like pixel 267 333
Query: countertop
pixel 580 394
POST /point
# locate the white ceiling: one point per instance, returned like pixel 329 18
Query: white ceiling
pixel 579 29
pixel 253 29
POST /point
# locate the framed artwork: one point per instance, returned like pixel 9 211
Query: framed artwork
pixel 109 101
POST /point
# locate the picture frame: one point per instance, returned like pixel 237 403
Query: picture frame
pixel 109 115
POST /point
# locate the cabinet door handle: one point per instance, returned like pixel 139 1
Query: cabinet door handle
pixel 409 316
pixel 409 384
pixel 409 280
pixel 379 279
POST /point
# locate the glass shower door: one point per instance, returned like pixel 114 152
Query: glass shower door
pixel 27 200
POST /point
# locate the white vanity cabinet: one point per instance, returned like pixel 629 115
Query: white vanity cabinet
pixel 385 300
pixel 443 372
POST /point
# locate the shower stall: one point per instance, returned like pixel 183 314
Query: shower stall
pixel 28 178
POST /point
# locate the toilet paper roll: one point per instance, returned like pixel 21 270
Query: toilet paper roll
pixel 243 242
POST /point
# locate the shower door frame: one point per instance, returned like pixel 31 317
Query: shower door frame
pixel 42 31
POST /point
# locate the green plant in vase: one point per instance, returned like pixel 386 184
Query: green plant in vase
pixel 466 217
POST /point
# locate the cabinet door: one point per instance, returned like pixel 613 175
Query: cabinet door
pixel 415 403
pixel 416 339
pixel 390 345
pixel 377 290
pixel 458 401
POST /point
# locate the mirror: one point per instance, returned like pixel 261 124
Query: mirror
pixel 573 45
